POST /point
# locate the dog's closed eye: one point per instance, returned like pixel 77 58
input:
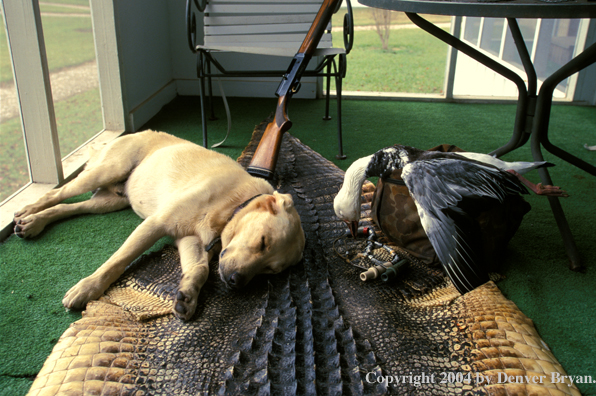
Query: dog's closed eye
pixel 263 246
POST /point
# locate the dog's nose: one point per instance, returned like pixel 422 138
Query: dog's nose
pixel 236 280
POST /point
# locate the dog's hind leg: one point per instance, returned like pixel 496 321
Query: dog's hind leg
pixel 104 200
pixel 111 165
pixel 195 270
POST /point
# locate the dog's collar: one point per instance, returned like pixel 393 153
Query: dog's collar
pixel 214 242
pixel 243 205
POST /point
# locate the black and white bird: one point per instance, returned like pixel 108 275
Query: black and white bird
pixel 449 190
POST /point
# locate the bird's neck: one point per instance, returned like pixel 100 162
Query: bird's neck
pixel 356 175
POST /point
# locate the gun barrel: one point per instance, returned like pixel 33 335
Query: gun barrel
pixel 265 157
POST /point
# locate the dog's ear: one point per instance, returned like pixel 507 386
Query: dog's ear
pixel 269 203
pixel 285 200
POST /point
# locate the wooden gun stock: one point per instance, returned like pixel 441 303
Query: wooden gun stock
pixel 265 157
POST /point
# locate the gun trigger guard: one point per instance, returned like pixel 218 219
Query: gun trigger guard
pixel 296 87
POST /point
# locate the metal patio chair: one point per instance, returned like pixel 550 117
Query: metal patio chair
pixel 264 27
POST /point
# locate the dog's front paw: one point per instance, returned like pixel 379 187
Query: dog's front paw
pixel 27 211
pixel 29 226
pixel 185 304
pixel 80 294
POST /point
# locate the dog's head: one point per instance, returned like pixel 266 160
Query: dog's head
pixel 265 237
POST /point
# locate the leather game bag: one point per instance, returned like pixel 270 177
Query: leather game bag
pixel 394 212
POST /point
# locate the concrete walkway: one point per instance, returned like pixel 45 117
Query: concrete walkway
pixel 65 83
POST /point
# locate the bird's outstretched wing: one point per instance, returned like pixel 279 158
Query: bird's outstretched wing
pixel 449 194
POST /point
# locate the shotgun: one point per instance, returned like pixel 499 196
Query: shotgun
pixel 265 158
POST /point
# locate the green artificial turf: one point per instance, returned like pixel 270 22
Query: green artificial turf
pixel 35 274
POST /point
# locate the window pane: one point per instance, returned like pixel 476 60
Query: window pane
pixel 68 36
pixel 555 47
pixel 492 32
pixel 472 29
pixel 413 62
pixel 14 171
pixel 528 30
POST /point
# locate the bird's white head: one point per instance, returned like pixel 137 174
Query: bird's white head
pixel 347 201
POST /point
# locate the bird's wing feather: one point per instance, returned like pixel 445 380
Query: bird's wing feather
pixel 520 167
pixel 448 194
pixel 442 180
pixel 456 240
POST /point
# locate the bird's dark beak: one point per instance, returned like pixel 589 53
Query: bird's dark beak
pixel 353 226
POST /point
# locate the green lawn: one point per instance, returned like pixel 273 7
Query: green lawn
pixel 13 164
pixel 69 41
pixel 414 63
pixel 5 66
pixel 63 9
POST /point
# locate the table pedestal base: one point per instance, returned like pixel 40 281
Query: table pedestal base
pixel 533 112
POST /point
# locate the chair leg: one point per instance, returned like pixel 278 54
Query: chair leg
pixel 212 116
pixel 201 73
pixel 327 117
pixel 341 73
pixel 338 86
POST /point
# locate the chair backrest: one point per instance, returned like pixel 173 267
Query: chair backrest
pixel 270 27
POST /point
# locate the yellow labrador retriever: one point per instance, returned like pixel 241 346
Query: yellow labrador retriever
pixel 185 191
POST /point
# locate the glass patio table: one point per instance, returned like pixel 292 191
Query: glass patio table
pixel 533 110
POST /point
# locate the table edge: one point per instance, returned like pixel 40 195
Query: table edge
pixel 500 9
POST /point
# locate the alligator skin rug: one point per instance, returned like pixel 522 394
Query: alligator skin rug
pixel 315 329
